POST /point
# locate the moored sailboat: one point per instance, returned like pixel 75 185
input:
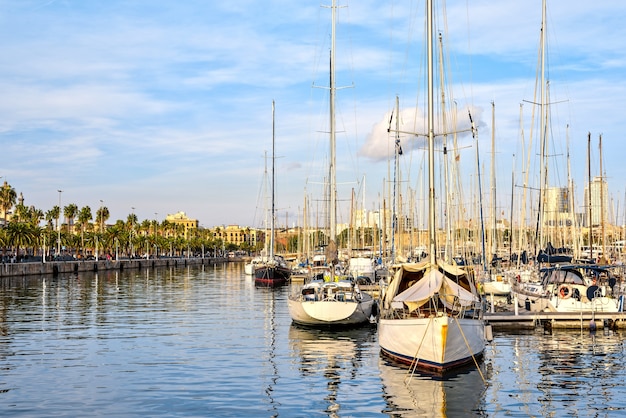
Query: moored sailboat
pixel 329 302
pixel 431 316
pixel 272 271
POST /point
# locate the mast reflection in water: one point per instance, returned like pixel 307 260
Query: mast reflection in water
pixel 206 342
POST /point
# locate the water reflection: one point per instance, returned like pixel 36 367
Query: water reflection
pixel 570 362
pixel 269 326
pixel 419 395
pixel 563 373
pixel 336 355
pixel 206 342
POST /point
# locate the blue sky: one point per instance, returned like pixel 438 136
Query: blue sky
pixel 166 106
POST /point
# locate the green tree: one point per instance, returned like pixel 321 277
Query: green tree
pixel 54 213
pixel 20 235
pixel 84 217
pixel 8 197
pixel 102 215
pixel 70 212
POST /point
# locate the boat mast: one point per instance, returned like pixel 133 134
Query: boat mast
pixel 397 152
pixel 333 157
pixel 602 200
pixel 432 247
pixel 446 171
pixel 590 236
pixel 543 126
pixel 272 220
pixel 494 216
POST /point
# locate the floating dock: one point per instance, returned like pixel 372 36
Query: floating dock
pixel 555 320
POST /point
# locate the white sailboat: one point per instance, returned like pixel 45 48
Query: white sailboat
pixel 272 271
pixel 431 315
pixel 331 303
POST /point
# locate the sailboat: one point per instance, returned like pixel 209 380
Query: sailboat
pixel 331 303
pixel 274 270
pixel 431 314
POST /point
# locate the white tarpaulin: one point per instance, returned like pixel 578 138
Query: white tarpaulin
pixel 433 281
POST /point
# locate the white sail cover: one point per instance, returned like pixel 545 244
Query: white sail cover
pixel 432 282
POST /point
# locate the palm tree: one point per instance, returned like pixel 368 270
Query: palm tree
pixel 131 221
pixel 8 197
pixel 54 213
pixel 20 234
pixel 73 241
pixel 35 216
pixel 50 218
pixel 102 215
pixel 70 212
pixel 21 212
pixel 84 217
pixel 116 234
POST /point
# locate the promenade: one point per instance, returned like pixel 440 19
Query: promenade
pixel 55 268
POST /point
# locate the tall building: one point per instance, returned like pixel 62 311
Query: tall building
pixel 557 208
pixel 596 202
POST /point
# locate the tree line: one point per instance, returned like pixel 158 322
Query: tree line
pixel 75 232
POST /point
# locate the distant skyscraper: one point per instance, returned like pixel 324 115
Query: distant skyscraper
pixel 557 207
pixel 599 202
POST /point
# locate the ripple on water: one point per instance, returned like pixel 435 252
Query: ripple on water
pixel 193 342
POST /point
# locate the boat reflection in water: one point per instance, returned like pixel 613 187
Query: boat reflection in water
pixel 331 361
pixel 457 394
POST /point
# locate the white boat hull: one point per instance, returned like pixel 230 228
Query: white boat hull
pixel 330 313
pixel 571 305
pixel 499 288
pixel 437 343
pixel 248 269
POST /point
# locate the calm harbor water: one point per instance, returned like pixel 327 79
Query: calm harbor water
pixel 203 341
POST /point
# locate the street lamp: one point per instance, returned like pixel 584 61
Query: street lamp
pixel 132 228
pixel 59 225
pixel 156 222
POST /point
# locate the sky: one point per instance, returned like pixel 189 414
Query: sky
pixel 154 107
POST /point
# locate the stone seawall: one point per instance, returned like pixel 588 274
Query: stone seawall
pixel 67 267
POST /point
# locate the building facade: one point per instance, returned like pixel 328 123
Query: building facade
pixel 596 202
pixel 180 218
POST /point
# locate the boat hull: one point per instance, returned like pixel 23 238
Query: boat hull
pixel 498 288
pixel 437 343
pixel 330 313
pixel 271 276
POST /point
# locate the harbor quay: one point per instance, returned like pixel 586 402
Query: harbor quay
pixel 55 268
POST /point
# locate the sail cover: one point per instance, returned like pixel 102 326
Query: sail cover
pixel 433 282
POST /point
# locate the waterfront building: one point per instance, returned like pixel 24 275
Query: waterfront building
pixel 238 235
pixel 180 218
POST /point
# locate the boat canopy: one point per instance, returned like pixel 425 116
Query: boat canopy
pixel 432 282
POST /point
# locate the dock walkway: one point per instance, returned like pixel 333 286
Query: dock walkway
pixel 555 320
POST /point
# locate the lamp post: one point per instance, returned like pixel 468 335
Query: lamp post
pixel 132 228
pixel 59 226
pixel 156 222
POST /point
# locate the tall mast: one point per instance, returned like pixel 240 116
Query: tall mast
pixel 397 152
pixel 432 232
pixel 494 234
pixel 333 157
pixel 446 171
pixel 601 198
pixel 590 238
pixel 272 216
